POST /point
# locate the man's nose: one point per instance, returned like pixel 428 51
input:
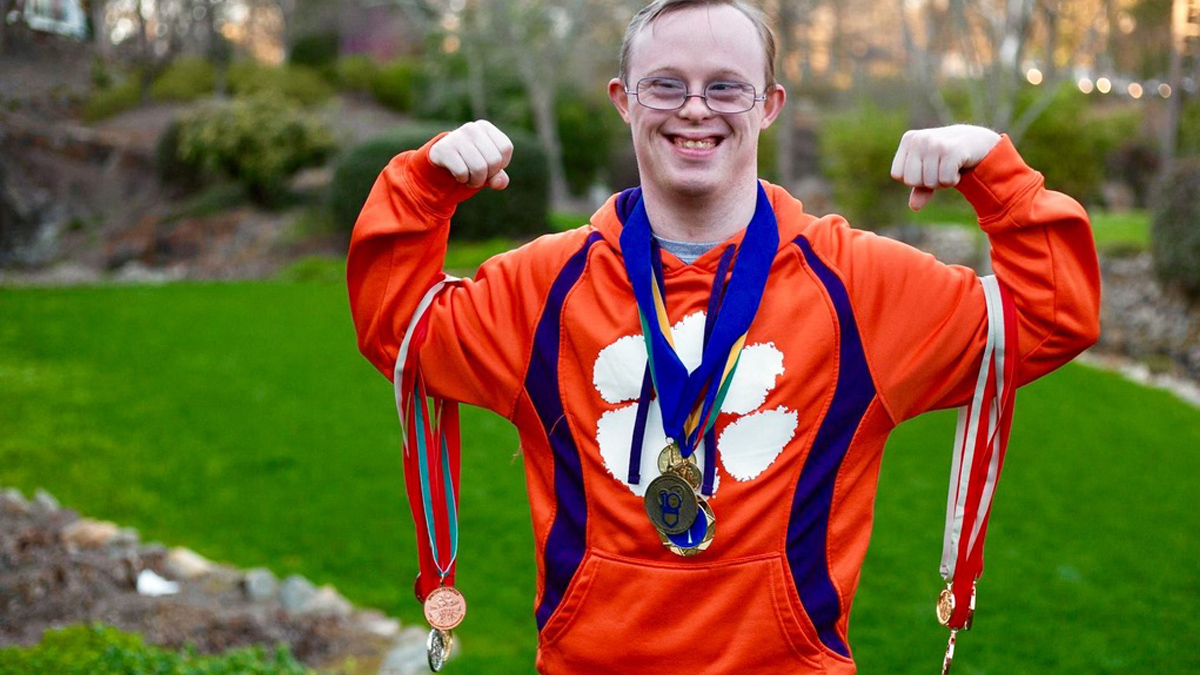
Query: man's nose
pixel 695 106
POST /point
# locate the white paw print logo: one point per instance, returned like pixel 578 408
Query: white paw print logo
pixel 746 446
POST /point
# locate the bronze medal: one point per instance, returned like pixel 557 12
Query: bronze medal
pixel 671 504
pixel 445 608
pixel 437 648
pixel 688 471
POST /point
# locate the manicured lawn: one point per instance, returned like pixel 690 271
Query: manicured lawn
pixel 239 420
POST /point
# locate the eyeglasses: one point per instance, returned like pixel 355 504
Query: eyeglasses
pixel 669 93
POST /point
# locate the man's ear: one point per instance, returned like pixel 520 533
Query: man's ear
pixel 616 94
pixel 776 97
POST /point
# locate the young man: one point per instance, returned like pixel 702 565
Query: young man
pixel 836 335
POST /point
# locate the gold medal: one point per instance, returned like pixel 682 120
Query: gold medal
pixel 445 608
pixel 945 606
pixel 437 648
pixel 671 504
pixel 669 457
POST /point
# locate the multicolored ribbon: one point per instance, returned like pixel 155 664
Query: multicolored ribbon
pixel 430 431
pixel 981 441
pixel 690 400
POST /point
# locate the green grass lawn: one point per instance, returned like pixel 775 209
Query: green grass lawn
pixel 239 420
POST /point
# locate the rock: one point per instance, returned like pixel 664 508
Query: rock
pixel 186 564
pixel 407 655
pixel 88 533
pixel 14 501
pixel 377 623
pixel 327 602
pixel 260 584
pixel 152 585
pixel 126 537
pixel 44 502
pixel 295 592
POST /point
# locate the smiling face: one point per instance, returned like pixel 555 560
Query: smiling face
pixel 693 152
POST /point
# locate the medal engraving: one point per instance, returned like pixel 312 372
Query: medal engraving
pixel 445 608
pixel 671 504
pixel 437 648
pixel 945 606
pixel 669 457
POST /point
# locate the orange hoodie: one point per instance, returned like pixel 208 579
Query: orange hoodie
pixel 854 334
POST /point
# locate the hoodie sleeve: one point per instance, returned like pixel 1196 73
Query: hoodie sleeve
pixel 479 330
pixel 924 323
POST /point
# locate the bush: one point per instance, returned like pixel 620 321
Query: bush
pixel 318 51
pixel 356 73
pixel 172 170
pixel 105 103
pixel 1069 144
pixel 259 141
pixel 520 210
pixel 1175 229
pixel 185 79
pixel 102 650
pixel 856 153
pixel 586 129
pixel 393 84
pixel 300 84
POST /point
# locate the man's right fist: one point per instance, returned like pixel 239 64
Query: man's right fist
pixel 475 153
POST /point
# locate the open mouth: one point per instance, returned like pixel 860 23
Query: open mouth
pixel 707 143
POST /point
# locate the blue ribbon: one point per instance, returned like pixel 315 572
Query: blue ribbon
pixel 678 390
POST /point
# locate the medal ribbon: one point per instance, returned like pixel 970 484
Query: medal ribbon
pixel 689 401
pixel 430 432
pixel 981 441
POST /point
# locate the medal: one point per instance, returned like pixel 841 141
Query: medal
pixel 690 400
pixel 445 608
pixel 430 429
pixel 671 504
pixel 980 443
pixel 437 648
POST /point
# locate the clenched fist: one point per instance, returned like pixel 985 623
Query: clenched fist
pixel 931 159
pixel 475 153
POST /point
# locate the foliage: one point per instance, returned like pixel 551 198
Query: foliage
pixel 172 169
pixel 521 209
pixel 587 127
pixel 260 395
pixel 259 141
pixel 318 51
pixel 1188 142
pixel 185 79
pixel 356 73
pixel 857 147
pixel 103 650
pixel 1175 229
pixel 393 84
pixel 105 103
pixel 1071 141
pixel 299 84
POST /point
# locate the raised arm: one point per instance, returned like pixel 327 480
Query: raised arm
pixel 924 323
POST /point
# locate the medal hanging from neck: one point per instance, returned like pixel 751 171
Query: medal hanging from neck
pixel 981 441
pixel 675 500
pixel 431 472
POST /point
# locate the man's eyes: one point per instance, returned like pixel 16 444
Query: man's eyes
pixel 667 86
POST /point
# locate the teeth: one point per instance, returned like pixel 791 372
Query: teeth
pixel 695 144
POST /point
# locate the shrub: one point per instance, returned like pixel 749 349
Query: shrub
pixel 856 153
pixel 520 210
pixel 586 129
pixel 172 170
pixel 393 84
pixel 300 84
pixel 105 103
pixel 259 141
pixel 317 51
pixel 186 79
pixel 102 650
pixel 1069 145
pixel 1175 229
pixel 356 73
